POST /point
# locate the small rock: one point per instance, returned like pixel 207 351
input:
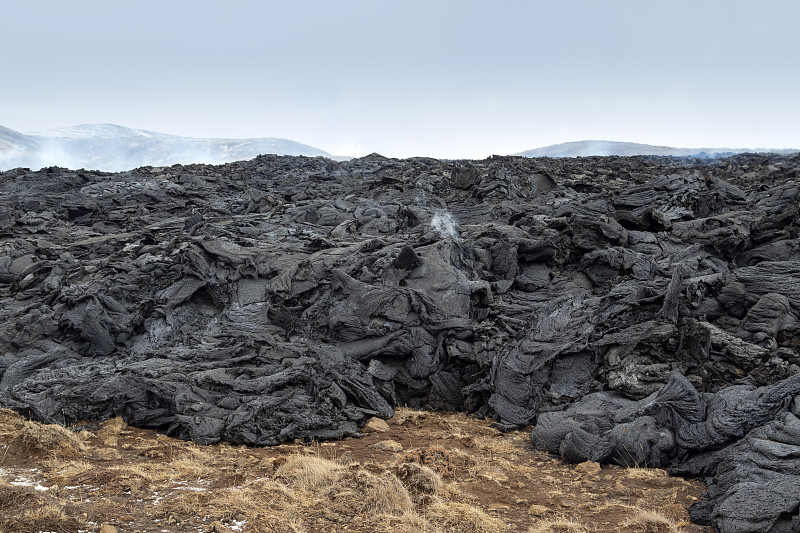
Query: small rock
pixel 490 431
pixel 219 527
pixel 107 528
pixel 498 507
pixel 588 467
pixel 376 425
pixel 388 446
pixel 492 475
pixel 538 510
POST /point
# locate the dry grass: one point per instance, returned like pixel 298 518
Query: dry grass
pixel 539 510
pixel 46 512
pixel 37 518
pixel 17 498
pixel 112 428
pixel 263 489
pixel 301 483
pixel 48 440
pixel 354 490
pixel 193 462
pixel 304 481
pixel 67 472
pixel 448 463
pixel 190 464
pixel 638 472
pixel 558 525
pixel 464 518
pixel 267 506
pixel 406 523
pixel 361 492
pixel 647 521
pixel 456 474
pixel 308 473
pixel 409 416
pixel 419 479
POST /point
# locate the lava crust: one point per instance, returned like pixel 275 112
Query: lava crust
pixel 636 310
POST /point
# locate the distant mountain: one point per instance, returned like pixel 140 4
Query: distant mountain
pixel 114 148
pixel 15 147
pixel 595 148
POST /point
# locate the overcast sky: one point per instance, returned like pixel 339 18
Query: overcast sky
pixel 445 79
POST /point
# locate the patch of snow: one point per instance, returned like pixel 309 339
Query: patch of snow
pixel 22 481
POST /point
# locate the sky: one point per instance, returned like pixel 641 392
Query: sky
pixel 413 78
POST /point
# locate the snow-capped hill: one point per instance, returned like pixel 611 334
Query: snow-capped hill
pixel 604 148
pixel 15 148
pixel 85 131
pixel 14 140
pixel 115 148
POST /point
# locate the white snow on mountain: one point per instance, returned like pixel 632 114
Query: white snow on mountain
pixel 606 148
pixel 115 148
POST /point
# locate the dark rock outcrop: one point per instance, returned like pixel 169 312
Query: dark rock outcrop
pixel 637 310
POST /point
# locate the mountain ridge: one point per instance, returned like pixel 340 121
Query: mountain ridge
pixel 114 148
pixel 589 148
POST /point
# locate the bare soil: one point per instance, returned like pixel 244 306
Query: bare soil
pixel 421 472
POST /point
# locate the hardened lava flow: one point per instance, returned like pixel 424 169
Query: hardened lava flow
pixel 634 310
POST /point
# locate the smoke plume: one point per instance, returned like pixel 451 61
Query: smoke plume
pixel 446 225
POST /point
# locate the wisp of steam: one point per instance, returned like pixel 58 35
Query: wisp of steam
pixel 446 225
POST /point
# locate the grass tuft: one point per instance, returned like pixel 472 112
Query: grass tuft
pixel 464 518
pixel 49 440
pixel 647 521
pixel 308 473
pixel 419 478
pixel 558 525
pixel 638 472
pixel 369 493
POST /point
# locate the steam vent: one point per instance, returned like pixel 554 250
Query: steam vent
pixel 632 310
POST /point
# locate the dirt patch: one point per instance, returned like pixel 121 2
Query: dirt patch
pixel 454 473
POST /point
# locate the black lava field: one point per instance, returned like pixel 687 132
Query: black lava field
pixel 633 310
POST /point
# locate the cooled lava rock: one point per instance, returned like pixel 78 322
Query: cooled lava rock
pixel 639 310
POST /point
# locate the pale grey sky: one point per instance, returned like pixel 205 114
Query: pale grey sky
pixel 445 79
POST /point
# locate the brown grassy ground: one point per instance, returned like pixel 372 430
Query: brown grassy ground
pixel 437 473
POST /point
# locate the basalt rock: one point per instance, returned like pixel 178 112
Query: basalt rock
pixel 744 439
pixel 638 310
